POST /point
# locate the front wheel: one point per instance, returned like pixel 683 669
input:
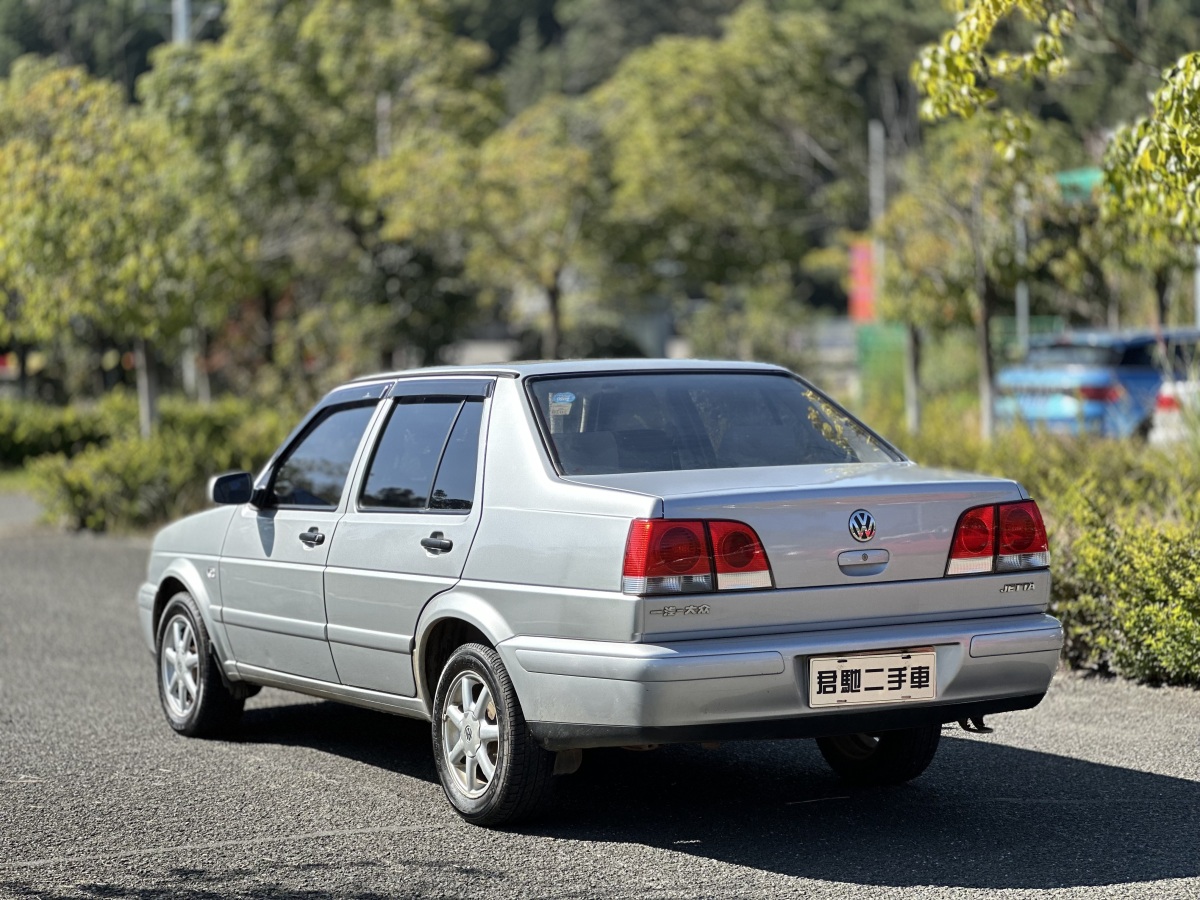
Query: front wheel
pixel 194 696
pixel 491 769
pixel 890 757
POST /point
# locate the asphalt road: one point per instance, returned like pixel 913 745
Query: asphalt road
pixel 1096 793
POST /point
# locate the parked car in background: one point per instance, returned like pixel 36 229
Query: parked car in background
pixel 1176 411
pixel 548 557
pixel 1093 382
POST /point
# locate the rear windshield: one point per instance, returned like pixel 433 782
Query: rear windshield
pixel 652 422
pixel 1073 355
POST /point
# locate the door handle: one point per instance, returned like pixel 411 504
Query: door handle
pixel 312 537
pixel 437 543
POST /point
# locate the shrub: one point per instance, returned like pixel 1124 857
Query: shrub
pixel 133 483
pixel 29 430
pixel 1124 524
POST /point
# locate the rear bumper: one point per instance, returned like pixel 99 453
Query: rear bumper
pixel 595 694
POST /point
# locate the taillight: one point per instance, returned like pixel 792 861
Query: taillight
pixel 974 542
pixel 669 556
pixel 1106 393
pixel 1007 537
pixel 1165 402
pixel 739 557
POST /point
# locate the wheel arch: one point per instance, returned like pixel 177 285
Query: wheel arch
pixel 183 575
pixel 448 621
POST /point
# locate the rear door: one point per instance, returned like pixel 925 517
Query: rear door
pixel 407 530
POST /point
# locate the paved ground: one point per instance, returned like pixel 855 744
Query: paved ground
pixel 1094 794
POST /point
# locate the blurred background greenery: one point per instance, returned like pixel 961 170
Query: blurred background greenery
pixel 304 190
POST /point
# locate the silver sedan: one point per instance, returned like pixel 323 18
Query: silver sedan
pixel 545 558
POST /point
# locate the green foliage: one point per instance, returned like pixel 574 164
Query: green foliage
pixel 1152 167
pixel 29 430
pixel 1124 538
pixel 97 228
pixel 132 482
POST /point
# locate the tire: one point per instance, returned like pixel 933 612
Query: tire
pixel 492 770
pixel 888 758
pixel 194 696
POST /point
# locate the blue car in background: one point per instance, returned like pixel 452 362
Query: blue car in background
pixel 1095 382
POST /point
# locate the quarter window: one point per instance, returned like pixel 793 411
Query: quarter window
pixel 313 473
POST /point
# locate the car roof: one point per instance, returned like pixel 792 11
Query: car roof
pixel 1100 338
pixel 575 367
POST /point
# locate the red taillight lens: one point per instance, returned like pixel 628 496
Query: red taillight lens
pixel 680 550
pixel 1107 393
pixel 1003 538
pixel 665 556
pixel 974 542
pixel 739 557
pixel 1166 403
pixel 1023 543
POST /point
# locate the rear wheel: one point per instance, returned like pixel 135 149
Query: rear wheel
pixel 491 769
pixel 194 696
pixel 890 757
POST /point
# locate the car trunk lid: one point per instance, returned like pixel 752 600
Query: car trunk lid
pixel 803 515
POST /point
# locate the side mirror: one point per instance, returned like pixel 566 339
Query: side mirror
pixel 230 488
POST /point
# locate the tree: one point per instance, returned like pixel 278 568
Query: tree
pixel 290 107
pixel 728 157
pixel 519 202
pixel 98 228
pixel 950 237
pixel 1152 167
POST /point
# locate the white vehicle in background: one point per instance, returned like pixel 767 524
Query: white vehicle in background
pixel 1176 411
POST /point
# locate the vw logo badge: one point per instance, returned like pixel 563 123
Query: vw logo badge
pixel 862 525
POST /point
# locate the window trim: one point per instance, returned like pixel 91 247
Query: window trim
pixel 412 399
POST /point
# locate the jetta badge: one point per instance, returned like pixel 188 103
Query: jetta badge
pixel 862 525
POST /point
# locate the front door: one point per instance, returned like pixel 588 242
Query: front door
pixel 406 534
pixel 274 557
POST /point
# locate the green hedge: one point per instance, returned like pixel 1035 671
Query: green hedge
pixel 1124 524
pixel 133 483
pixel 29 430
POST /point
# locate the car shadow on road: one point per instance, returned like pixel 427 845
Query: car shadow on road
pixel 985 815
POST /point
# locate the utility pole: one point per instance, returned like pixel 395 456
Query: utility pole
pixel 877 164
pixel 195 375
pixel 1196 287
pixel 181 21
pixel 1021 207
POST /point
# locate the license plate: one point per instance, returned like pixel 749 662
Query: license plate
pixel 872 678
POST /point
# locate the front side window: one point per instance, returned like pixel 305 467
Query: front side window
pixel 426 457
pixel 651 422
pixel 313 473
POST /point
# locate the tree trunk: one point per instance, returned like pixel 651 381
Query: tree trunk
pixel 268 313
pixel 983 338
pixel 912 380
pixel 1162 295
pixel 23 371
pixel 203 383
pixel 553 336
pixel 147 386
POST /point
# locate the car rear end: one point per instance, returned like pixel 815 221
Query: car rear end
pixel 798 576
pixel 1100 384
pixel 1176 409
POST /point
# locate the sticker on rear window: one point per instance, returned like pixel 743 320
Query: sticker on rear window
pixel 560 403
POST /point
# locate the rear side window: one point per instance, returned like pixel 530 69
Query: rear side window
pixel 650 422
pixel 313 473
pixel 426 457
